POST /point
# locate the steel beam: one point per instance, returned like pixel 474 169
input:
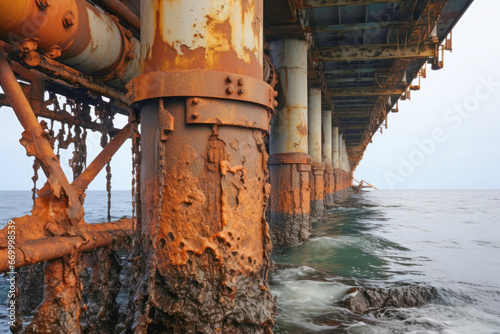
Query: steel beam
pixel 364 91
pixel 371 52
pixel 30 252
pixel 331 3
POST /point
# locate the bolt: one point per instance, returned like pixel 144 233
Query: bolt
pixel 241 91
pixel 241 81
pixel 119 74
pixel 195 115
pixel 229 90
pixel 68 19
pixel 275 93
pixel 29 44
pixel 129 56
pixel 195 100
pixel 229 79
pixel 53 52
pixel 275 103
pixel 129 34
pixel 43 4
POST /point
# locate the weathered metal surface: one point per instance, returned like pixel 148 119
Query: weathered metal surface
pixel 86 38
pixel 226 112
pixel 335 147
pixel 201 83
pixel 317 190
pixel 203 209
pixel 122 11
pixel 387 51
pixel 203 240
pixel 314 125
pixel 215 35
pixel 290 203
pixel 372 91
pixel 329 3
pixel 36 143
pixel 31 251
pixel 289 124
pixel 103 158
pixel 326 137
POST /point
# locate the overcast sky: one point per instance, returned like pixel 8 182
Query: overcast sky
pixel 446 137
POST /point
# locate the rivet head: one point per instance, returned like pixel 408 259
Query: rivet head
pixel 195 100
pixel 275 103
pixel 229 79
pixel 195 115
pixel 241 81
pixel 229 90
pixel 53 52
pixel 275 93
pixel 68 19
pixel 119 74
pixel 241 91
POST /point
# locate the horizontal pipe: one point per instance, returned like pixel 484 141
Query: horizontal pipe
pixel 63 75
pixel 122 11
pixel 36 251
pixel 89 40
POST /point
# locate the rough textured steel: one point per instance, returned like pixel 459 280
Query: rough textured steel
pixel 290 200
pixel 203 240
pixel 317 191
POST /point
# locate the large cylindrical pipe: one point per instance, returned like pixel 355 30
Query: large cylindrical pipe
pixel 336 147
pixel 203 238
pixel 88 39
pixel 289 162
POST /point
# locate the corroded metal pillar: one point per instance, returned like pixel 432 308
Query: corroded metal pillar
pixel 328 158
pixel 336 158
pixel 203 240
pixel 289 163
pixel 314 147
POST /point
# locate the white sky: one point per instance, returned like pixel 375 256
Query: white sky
pixel 465 153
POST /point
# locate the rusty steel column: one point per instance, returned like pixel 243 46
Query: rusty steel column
pixel 314 147
pixel 202 243
pixel 289 162
pixel 328 158
pixel 336 159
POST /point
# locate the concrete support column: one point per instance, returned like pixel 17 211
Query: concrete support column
pixel 315 151
pixel 202 242
pixel 328 158
pixel 289 162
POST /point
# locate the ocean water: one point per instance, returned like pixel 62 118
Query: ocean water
pixel 449 240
